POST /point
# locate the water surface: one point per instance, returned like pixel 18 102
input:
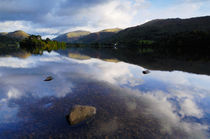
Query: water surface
pixel 129 104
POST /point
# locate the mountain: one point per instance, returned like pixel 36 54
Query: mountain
pixel 115 30
pixel 98 36
pixel 19 34
pixel 156 29
pixel 72 36
pixel 3 33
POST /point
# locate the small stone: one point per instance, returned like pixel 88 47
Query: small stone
pixel 146 72
pixel 49 78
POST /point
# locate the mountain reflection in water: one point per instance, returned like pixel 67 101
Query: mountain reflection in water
pixel 129 104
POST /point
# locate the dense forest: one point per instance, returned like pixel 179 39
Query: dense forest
pixel 191 45
pixel 35 45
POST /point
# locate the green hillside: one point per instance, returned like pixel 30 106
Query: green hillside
pixel 19 34
pixel 98 36
pixel 71 36
pixel 115 30
pixel 157 29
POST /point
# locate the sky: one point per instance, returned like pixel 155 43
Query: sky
pixel 50 18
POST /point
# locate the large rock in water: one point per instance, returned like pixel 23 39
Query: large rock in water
pixel 80 114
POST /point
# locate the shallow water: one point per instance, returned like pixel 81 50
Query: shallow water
pixel 129 104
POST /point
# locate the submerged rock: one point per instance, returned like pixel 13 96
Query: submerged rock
pixel 81 114
pixel 49 78
pixel 146 72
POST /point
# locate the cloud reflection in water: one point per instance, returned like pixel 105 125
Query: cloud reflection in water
pixel 176 107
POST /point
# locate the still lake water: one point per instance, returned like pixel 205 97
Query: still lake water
pixel 129 104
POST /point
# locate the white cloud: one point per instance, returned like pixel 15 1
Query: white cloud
pixel 32 61
pixel 14 93
pixel 189 108
pixel 9 26
pixel 46 30
pixel 49 36
pixel 184 10
pixel 115 73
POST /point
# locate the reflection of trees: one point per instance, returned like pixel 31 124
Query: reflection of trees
pixel 8 45
pixel 190 45
pixel 36 45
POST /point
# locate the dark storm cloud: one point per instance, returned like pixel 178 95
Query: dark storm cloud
pixel 72 6
pixel 24 9
pixel 46 12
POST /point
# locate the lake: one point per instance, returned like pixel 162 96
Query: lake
pixel 130 104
